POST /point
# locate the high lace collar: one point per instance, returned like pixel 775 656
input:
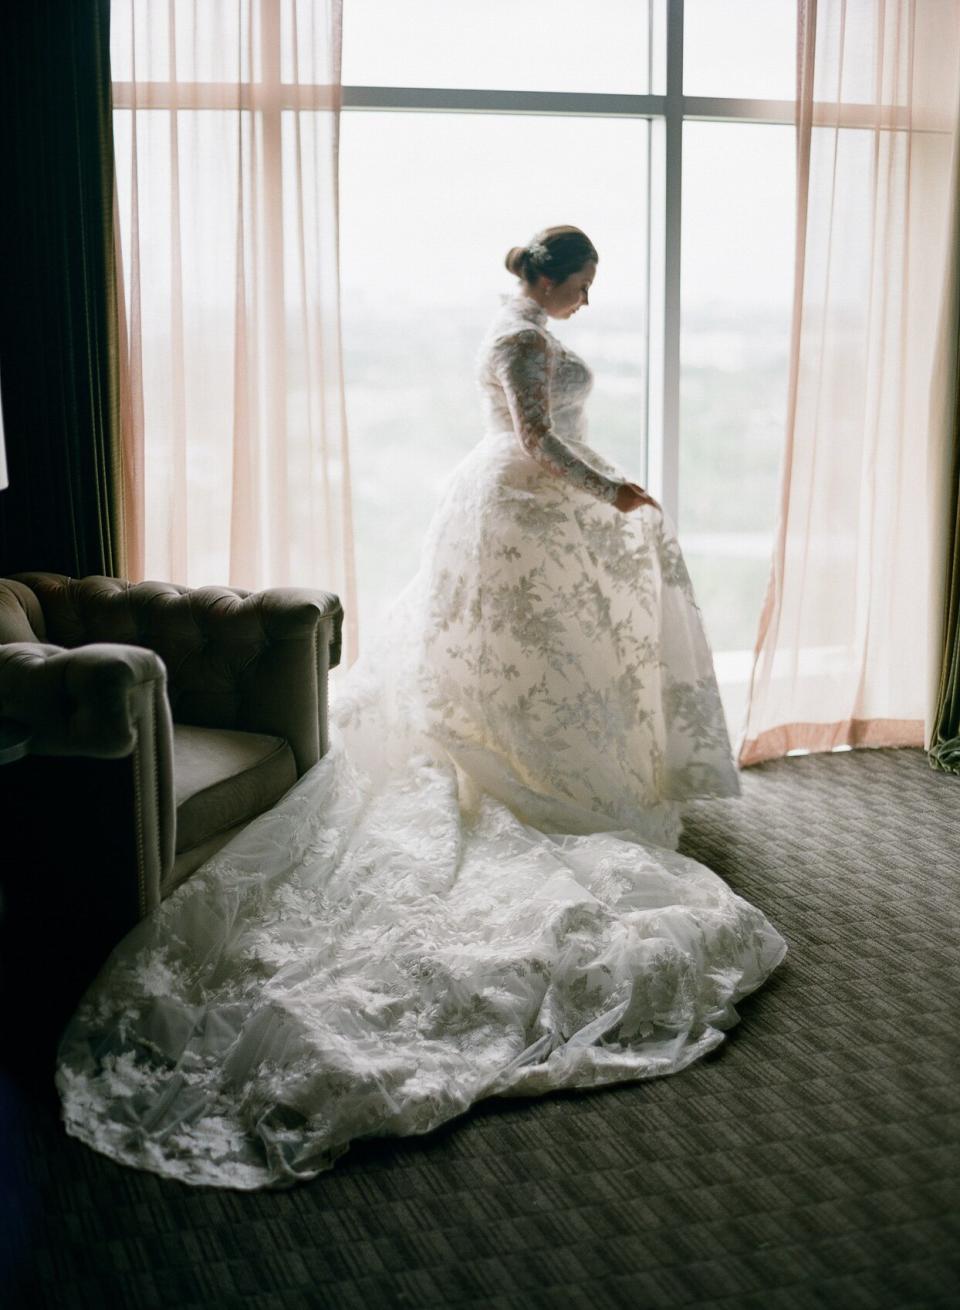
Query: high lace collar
pixel 522 304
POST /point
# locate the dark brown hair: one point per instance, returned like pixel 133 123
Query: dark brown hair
pixel 556 252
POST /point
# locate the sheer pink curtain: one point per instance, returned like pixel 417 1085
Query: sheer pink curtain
pixel 226 121
pixel 843 648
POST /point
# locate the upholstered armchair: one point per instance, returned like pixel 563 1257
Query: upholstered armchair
pixel 157 722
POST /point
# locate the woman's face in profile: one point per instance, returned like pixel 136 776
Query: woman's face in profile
pixel 566 297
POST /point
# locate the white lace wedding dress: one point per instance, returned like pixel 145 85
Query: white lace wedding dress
pixel 477 891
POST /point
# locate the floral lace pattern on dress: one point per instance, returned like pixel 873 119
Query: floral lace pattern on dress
pixel 524 365
pixel 374 960
pixel 476 891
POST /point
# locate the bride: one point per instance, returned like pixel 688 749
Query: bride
pixel 477 891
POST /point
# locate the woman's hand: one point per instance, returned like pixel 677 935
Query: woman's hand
pixel 631 496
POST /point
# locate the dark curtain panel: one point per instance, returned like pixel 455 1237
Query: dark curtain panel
pixel 945 739
pixel 945 736
pixel 58 359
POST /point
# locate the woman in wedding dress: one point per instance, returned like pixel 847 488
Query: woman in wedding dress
pixel 476 892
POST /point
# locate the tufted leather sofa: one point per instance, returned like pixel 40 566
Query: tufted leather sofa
pixel 162 720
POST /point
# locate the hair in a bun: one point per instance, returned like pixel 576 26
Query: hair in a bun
pixel 556 252
pixel 514 260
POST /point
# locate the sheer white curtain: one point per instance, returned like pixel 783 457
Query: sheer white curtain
pixel 843 652
pixel 226 122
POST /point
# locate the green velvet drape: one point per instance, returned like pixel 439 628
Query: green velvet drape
pixel 58 361
pixel 945 738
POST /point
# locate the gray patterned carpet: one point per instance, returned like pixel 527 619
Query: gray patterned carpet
pixel 812 1161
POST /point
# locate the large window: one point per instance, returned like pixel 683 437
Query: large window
pixel 663 128
pixel 430 205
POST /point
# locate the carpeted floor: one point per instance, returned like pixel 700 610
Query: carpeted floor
pixel 812 1161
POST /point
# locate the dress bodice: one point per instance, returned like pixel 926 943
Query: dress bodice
pixel 535 386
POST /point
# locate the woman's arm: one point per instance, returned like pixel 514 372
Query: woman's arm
pixel 522 366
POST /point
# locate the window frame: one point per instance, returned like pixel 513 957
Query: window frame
pixel 667 113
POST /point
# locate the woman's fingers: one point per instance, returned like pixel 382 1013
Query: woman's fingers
pixel 631 496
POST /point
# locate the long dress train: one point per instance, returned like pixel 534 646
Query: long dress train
pixel 477 891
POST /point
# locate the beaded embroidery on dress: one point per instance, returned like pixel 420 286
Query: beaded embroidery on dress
pixel 476 891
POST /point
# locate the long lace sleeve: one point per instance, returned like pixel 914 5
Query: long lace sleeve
pixel 522 366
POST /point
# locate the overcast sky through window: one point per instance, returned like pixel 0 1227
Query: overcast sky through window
pixel 567 169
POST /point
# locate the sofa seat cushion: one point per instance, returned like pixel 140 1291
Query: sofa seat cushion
pixel 223 777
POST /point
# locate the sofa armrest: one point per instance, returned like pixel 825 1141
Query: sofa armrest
pixel 21 618
pixel 280 675
pixel 103 701
pixel 235 659
pixel 89 701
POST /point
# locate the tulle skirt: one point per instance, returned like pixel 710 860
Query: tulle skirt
pixel 475 893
